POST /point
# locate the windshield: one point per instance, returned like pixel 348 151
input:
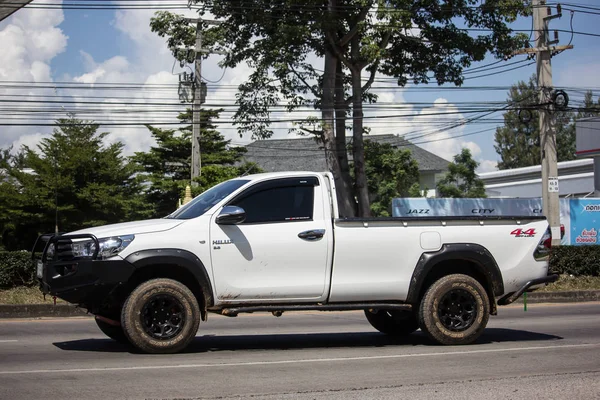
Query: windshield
pixel 206 200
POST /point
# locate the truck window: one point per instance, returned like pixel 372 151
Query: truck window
pixel 206 200
pixel 278 204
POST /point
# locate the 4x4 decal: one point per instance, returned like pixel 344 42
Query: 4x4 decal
pixel 522 233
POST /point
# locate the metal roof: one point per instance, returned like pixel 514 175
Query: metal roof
pixel 7 7
pixel 307 155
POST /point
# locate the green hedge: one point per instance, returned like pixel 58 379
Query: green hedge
pixel 16 269
pixel 576 260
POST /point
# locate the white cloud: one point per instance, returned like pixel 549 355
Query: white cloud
pixel 487 166
pixel 29 40
pixel 31 141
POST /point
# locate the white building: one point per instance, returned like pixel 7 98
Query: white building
pixel 575 179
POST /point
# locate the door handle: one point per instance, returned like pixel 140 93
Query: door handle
pixel 313 234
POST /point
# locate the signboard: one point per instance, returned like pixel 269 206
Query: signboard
pixel 553 185
pixel 585 221
pixel 446 207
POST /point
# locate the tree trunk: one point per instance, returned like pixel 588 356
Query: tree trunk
pixel 343 190
pixel 360 178
pixel 340 127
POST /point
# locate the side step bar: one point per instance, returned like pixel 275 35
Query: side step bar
pixel 277 310
pixel 511 297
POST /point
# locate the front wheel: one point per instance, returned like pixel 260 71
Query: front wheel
pixel 160 316
pixel 393 322
pixel 455 310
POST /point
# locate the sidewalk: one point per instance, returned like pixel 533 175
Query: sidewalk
pixel 67 310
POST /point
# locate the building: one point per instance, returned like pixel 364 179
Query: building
pixel 575 179
pixel 306 154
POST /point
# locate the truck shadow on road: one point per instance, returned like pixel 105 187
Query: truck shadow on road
pixel 213 343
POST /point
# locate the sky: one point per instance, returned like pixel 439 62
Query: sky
pixel 99 51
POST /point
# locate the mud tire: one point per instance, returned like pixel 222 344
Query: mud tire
pixel 142 334
pixel 393 322
pixel 455 310
pixel 114 332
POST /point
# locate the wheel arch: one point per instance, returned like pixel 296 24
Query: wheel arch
pixel 464 258
pixel 180 265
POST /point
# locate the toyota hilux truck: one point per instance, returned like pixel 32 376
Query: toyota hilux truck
pixel 275 243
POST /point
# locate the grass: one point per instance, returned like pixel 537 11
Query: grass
pixel 33 295
pixel 25 295
pixel 570 282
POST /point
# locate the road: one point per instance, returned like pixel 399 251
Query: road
pixel 550 351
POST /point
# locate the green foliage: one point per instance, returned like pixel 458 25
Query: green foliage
pixel 16 269
pixel 390 173
pixel 576 260
pixel 77 181
pixel 416 191
pixel 518 142
pixel 165 168
pixel 461 179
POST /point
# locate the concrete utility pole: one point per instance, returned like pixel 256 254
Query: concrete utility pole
pixel 199 91
pixel 197 105
pixel 541 18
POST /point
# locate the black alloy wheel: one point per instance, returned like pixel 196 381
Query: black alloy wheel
pixel 457 310
pixel 163 317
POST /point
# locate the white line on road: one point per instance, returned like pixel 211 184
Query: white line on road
pixel 310 360
pixel 8 341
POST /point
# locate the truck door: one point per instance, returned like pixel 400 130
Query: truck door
pixel 281 251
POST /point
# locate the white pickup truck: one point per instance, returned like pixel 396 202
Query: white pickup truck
pixel 274 243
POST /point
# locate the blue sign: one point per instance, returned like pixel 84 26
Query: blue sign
pixel 585 221
pixel 447 207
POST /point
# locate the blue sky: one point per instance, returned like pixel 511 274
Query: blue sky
pixel 95 46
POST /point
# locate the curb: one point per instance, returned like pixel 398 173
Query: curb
pixel 571 296
pixel 69 310
pixel 39 311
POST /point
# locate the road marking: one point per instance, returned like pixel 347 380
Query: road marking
pixel 309 360
pixel 8 341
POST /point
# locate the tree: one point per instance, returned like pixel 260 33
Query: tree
pixel 461 179
pixel 390 173
pixel 351 36
pixel 165 168
pixel 518 141
pixel 76 181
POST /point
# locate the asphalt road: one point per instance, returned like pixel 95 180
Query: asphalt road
pixel 550 351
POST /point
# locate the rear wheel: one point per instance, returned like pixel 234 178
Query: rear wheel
pixel 455 310
pixel 114 332
pixel 160 316
pixel 393 322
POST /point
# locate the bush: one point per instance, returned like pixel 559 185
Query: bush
pixel 576 260
pixel 16 269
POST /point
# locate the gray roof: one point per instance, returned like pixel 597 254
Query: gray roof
pixel 306 154
pixel 7 7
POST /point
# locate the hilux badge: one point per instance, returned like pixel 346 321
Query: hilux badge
pixel 227 241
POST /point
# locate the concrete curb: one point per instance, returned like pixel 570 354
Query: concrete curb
pixel 571 296
pixel 69 310
pixel 39 311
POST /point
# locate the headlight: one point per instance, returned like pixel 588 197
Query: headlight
pixel 109 247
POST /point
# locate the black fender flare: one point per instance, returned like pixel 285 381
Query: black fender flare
pixel 182 258
pixel 476 254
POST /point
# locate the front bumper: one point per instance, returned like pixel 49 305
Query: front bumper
pixel 511 297
pixel 85 281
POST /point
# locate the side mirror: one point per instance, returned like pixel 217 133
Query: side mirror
pixel 231 215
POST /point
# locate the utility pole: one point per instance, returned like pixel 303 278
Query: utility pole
pixel 199 92
pixel 197 105
pixel 542 15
